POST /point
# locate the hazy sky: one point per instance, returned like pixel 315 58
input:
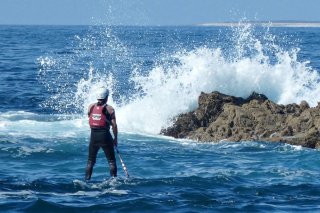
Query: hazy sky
pixel 154 12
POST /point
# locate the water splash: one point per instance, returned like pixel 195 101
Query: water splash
pixel 73 79
pixel 88 89
pixel 255 62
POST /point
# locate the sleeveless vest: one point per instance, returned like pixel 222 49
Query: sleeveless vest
pixel 98 118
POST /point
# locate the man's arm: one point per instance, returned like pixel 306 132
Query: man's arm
pixel 115 131
pixel 89 109
pixel 114 125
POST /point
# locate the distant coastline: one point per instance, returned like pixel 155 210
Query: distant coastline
pixel 268 24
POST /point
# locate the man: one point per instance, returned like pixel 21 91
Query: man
pixel 101 117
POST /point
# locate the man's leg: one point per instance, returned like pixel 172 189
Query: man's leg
pixel 110 155
pixel 93 150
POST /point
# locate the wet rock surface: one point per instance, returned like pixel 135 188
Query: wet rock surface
pixel 223 117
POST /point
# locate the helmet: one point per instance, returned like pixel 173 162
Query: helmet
pixel 103 94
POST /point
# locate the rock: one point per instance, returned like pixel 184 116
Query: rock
pixel 304 105
pixel 223 117
pixel 256 96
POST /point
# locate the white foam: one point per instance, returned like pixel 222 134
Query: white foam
pixel 25 193
pixel 24 150
pixel 116 191
pixel 105 187
pixel 32 125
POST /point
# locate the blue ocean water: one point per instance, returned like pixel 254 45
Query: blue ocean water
pixel 49 75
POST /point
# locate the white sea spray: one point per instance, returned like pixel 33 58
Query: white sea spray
pixel 254 63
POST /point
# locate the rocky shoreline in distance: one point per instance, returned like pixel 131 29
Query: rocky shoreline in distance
pixel 262 23
pixel 223 117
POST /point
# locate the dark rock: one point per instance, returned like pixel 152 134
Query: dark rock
pixel 223 117
pixel 256 96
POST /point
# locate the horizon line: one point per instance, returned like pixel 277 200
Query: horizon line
pixel 278 23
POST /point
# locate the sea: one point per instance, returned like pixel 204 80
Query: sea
pixel 50 74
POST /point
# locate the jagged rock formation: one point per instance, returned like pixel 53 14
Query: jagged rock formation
pixel 222 117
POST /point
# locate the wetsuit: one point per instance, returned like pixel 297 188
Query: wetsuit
pixel 101 138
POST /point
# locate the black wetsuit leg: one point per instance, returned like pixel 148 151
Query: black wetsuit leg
pixel 101 138
pixel 110 155
pixel 93 151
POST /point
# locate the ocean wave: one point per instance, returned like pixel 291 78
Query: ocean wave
pixel 38 126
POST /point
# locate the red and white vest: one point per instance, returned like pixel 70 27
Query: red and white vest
pixel 98 117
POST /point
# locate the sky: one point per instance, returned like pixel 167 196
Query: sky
pixel 154 12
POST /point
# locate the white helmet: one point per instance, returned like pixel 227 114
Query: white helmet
pixel 103 94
